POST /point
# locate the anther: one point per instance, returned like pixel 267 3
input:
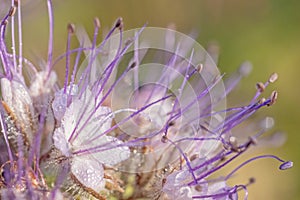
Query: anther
pixel 273 78
pixel 273 98
pixel 198 188
pixel 286 165
pixel 245 68
pixel 12 11
pixel 193 157
pixel 164 139
pixel 252 180
pixel 128 41
pixel 171 123
pixel 97 22
pixel 252 140
pixel 200 67
pixel 71 28
pixel 164 180
pixel 262 100
pixel 133 65
pixel 260 87
pixel 119 23
pixel 16 3
pixel 223 158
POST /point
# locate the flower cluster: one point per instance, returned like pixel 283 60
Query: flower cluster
pixel 142 115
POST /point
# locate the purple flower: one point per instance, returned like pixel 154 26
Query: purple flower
pixel 142 116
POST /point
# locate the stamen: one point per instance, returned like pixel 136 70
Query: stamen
pixel 285 165
pixel 111 65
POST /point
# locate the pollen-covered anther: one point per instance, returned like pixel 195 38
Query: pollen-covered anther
pixel 273 98
pixel 260 87
pixel 71 28
pixel 273 78
pixel 12 11
pixel 119 23
pixel 97 22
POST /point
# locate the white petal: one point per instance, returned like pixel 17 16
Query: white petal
pixel 111 156
pixel 59 105
pixel 89 172
pixel 96 125
pixel 69 121
pixel 60 101
pixel 60 141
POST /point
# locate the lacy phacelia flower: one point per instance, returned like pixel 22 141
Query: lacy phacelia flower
pixel 143 116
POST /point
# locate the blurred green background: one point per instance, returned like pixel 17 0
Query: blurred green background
pixel 265 32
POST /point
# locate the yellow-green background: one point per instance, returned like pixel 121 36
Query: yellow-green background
pixel 266 32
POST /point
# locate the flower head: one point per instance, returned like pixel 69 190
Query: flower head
pixel 146 109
